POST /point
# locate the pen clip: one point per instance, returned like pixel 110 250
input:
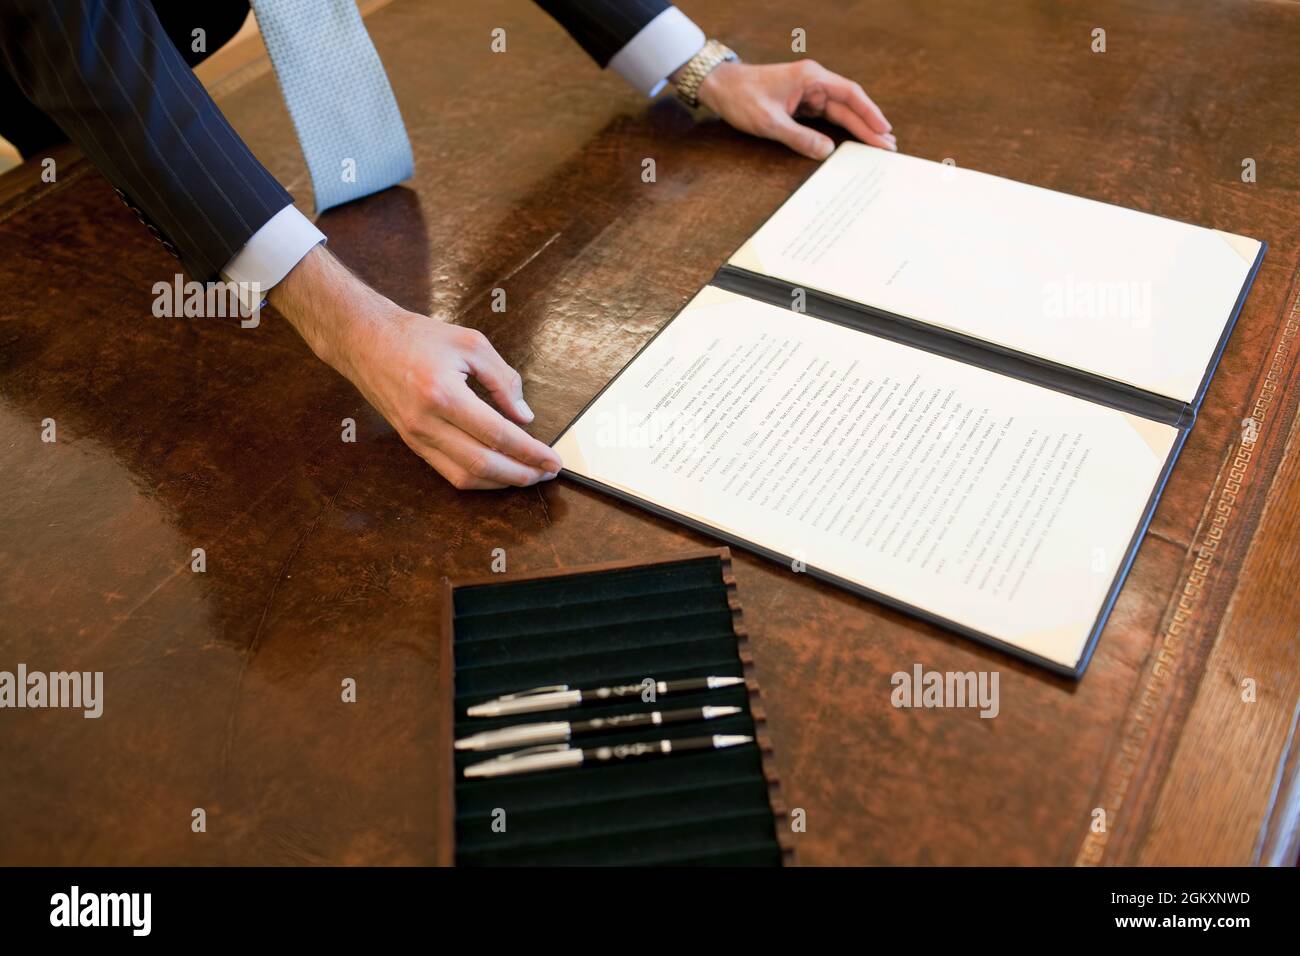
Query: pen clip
pixel 553 688
pixel 531 751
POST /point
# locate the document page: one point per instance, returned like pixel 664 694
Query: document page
pixel 991 502
pixel 1129 296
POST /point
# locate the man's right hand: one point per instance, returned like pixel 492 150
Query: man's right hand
pixel 415 369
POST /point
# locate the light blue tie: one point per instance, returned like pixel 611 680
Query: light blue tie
pixel 338 95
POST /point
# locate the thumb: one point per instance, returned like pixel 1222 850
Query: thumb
pixel 803 140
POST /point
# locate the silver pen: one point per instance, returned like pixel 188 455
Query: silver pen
pixel 557 756
pixel 563 730
pixel 560 696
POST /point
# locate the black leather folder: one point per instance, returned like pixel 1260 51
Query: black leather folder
pixel 968 350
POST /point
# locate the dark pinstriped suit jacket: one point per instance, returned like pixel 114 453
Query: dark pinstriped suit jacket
pixel 108 74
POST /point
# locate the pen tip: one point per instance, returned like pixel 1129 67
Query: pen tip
pixel 712 712
pixel 726 681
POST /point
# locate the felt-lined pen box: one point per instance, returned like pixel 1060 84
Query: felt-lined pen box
pixel 613 624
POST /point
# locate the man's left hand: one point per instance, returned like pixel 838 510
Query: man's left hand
pixel 764 99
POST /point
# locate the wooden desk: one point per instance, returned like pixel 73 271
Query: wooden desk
pixel 325 559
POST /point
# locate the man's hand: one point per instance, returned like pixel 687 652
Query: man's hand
pixel 415 371
pixel 762 100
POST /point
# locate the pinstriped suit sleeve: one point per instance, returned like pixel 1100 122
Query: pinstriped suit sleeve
pixel 642 40
pixel 108 75
pixel 603 27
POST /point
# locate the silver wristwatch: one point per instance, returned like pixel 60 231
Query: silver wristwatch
pixel 700 66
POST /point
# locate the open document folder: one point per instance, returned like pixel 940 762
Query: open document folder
pixel 956 394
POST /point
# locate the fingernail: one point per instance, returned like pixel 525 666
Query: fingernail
pixel 825 150
pixel 524 410
pixel 549 475
pixel 552 465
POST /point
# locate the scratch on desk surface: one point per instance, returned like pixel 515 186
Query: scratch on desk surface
pixel 299 846
pixel 41 190
pixel 221 536
pixel 469 303
pixel 533 255
pixel 546 517
pixel 250 651
pixel 546 512
pixel 186 565
pixel 1183 545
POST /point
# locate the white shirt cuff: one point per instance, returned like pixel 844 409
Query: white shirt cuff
pixel 270 254
pixel 663 44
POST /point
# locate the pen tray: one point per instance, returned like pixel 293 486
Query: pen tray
pixel 598 626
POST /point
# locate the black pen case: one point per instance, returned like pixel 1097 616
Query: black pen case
pixel 595 626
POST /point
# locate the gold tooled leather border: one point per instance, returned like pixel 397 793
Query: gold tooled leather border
pixel 1158 690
